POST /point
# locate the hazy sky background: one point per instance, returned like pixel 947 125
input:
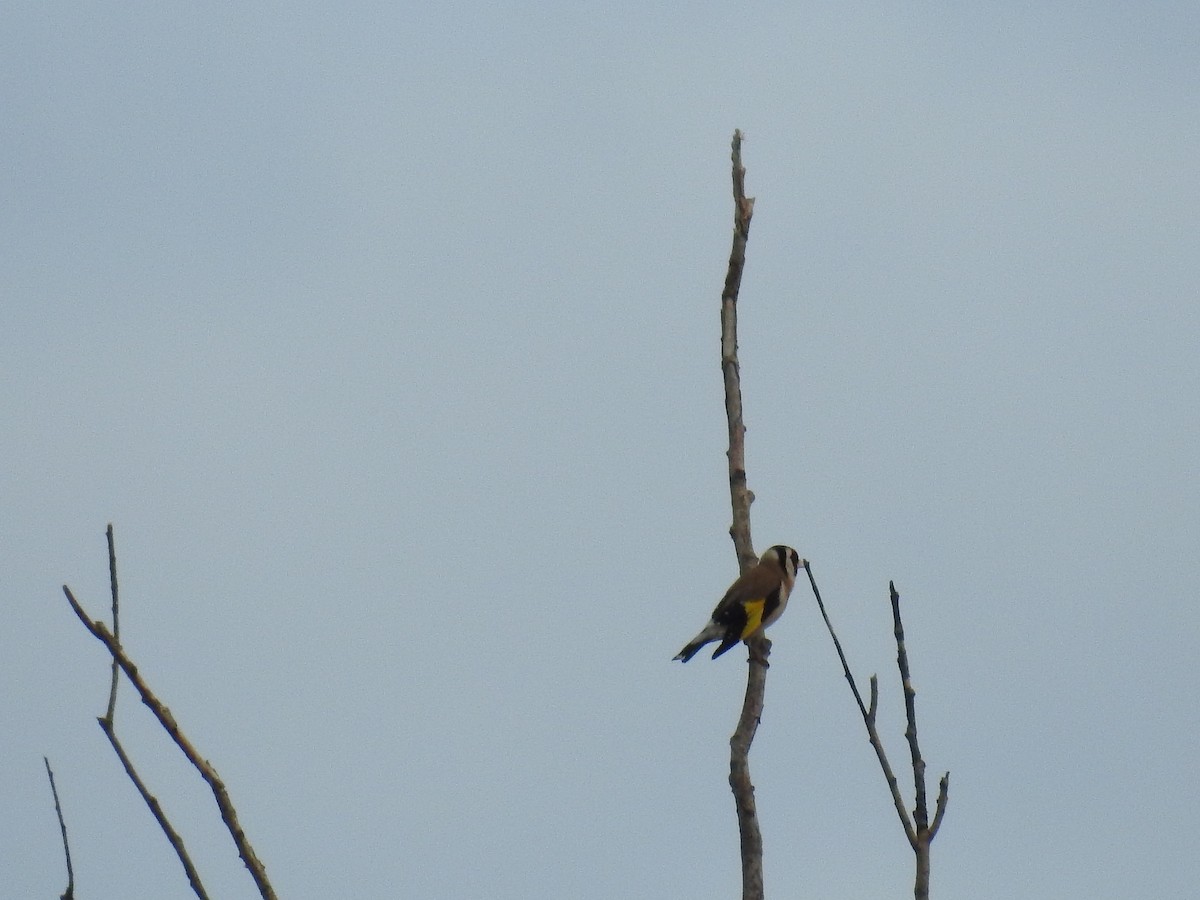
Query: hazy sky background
pixel 387 337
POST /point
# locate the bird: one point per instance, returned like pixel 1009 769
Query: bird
pixel 757 599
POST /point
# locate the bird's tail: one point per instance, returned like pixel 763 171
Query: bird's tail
pixel 707 636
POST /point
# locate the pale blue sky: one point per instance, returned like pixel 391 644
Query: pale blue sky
pixel 387 338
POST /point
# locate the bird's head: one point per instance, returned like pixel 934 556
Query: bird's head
pixel 784 558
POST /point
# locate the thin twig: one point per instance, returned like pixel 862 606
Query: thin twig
pixel 116 620
pixel 740 498
pixel 69 893
pixel 868 717
pixel 940 809
pixel 228 813
pixel 155 810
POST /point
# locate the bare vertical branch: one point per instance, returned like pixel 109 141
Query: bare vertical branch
pixel 921 812
pixel 739 494
pixel 749 833
pixel 116 620
pixel 228 813
pixel 69 893
pixel 924 833
pixel 740 498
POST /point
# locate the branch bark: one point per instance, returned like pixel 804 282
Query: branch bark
pixel 740 496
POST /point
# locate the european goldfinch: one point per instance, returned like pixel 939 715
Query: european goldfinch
pixel 752 602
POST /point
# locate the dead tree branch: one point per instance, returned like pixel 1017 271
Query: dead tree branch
pixel 740 497
pixel 228 813
pixel 69 893
pixel 917 828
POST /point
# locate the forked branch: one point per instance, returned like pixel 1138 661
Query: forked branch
pixel 228 813
pixel 917 828
pixel 108 726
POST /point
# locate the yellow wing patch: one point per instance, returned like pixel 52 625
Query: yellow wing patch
pixel 754 614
